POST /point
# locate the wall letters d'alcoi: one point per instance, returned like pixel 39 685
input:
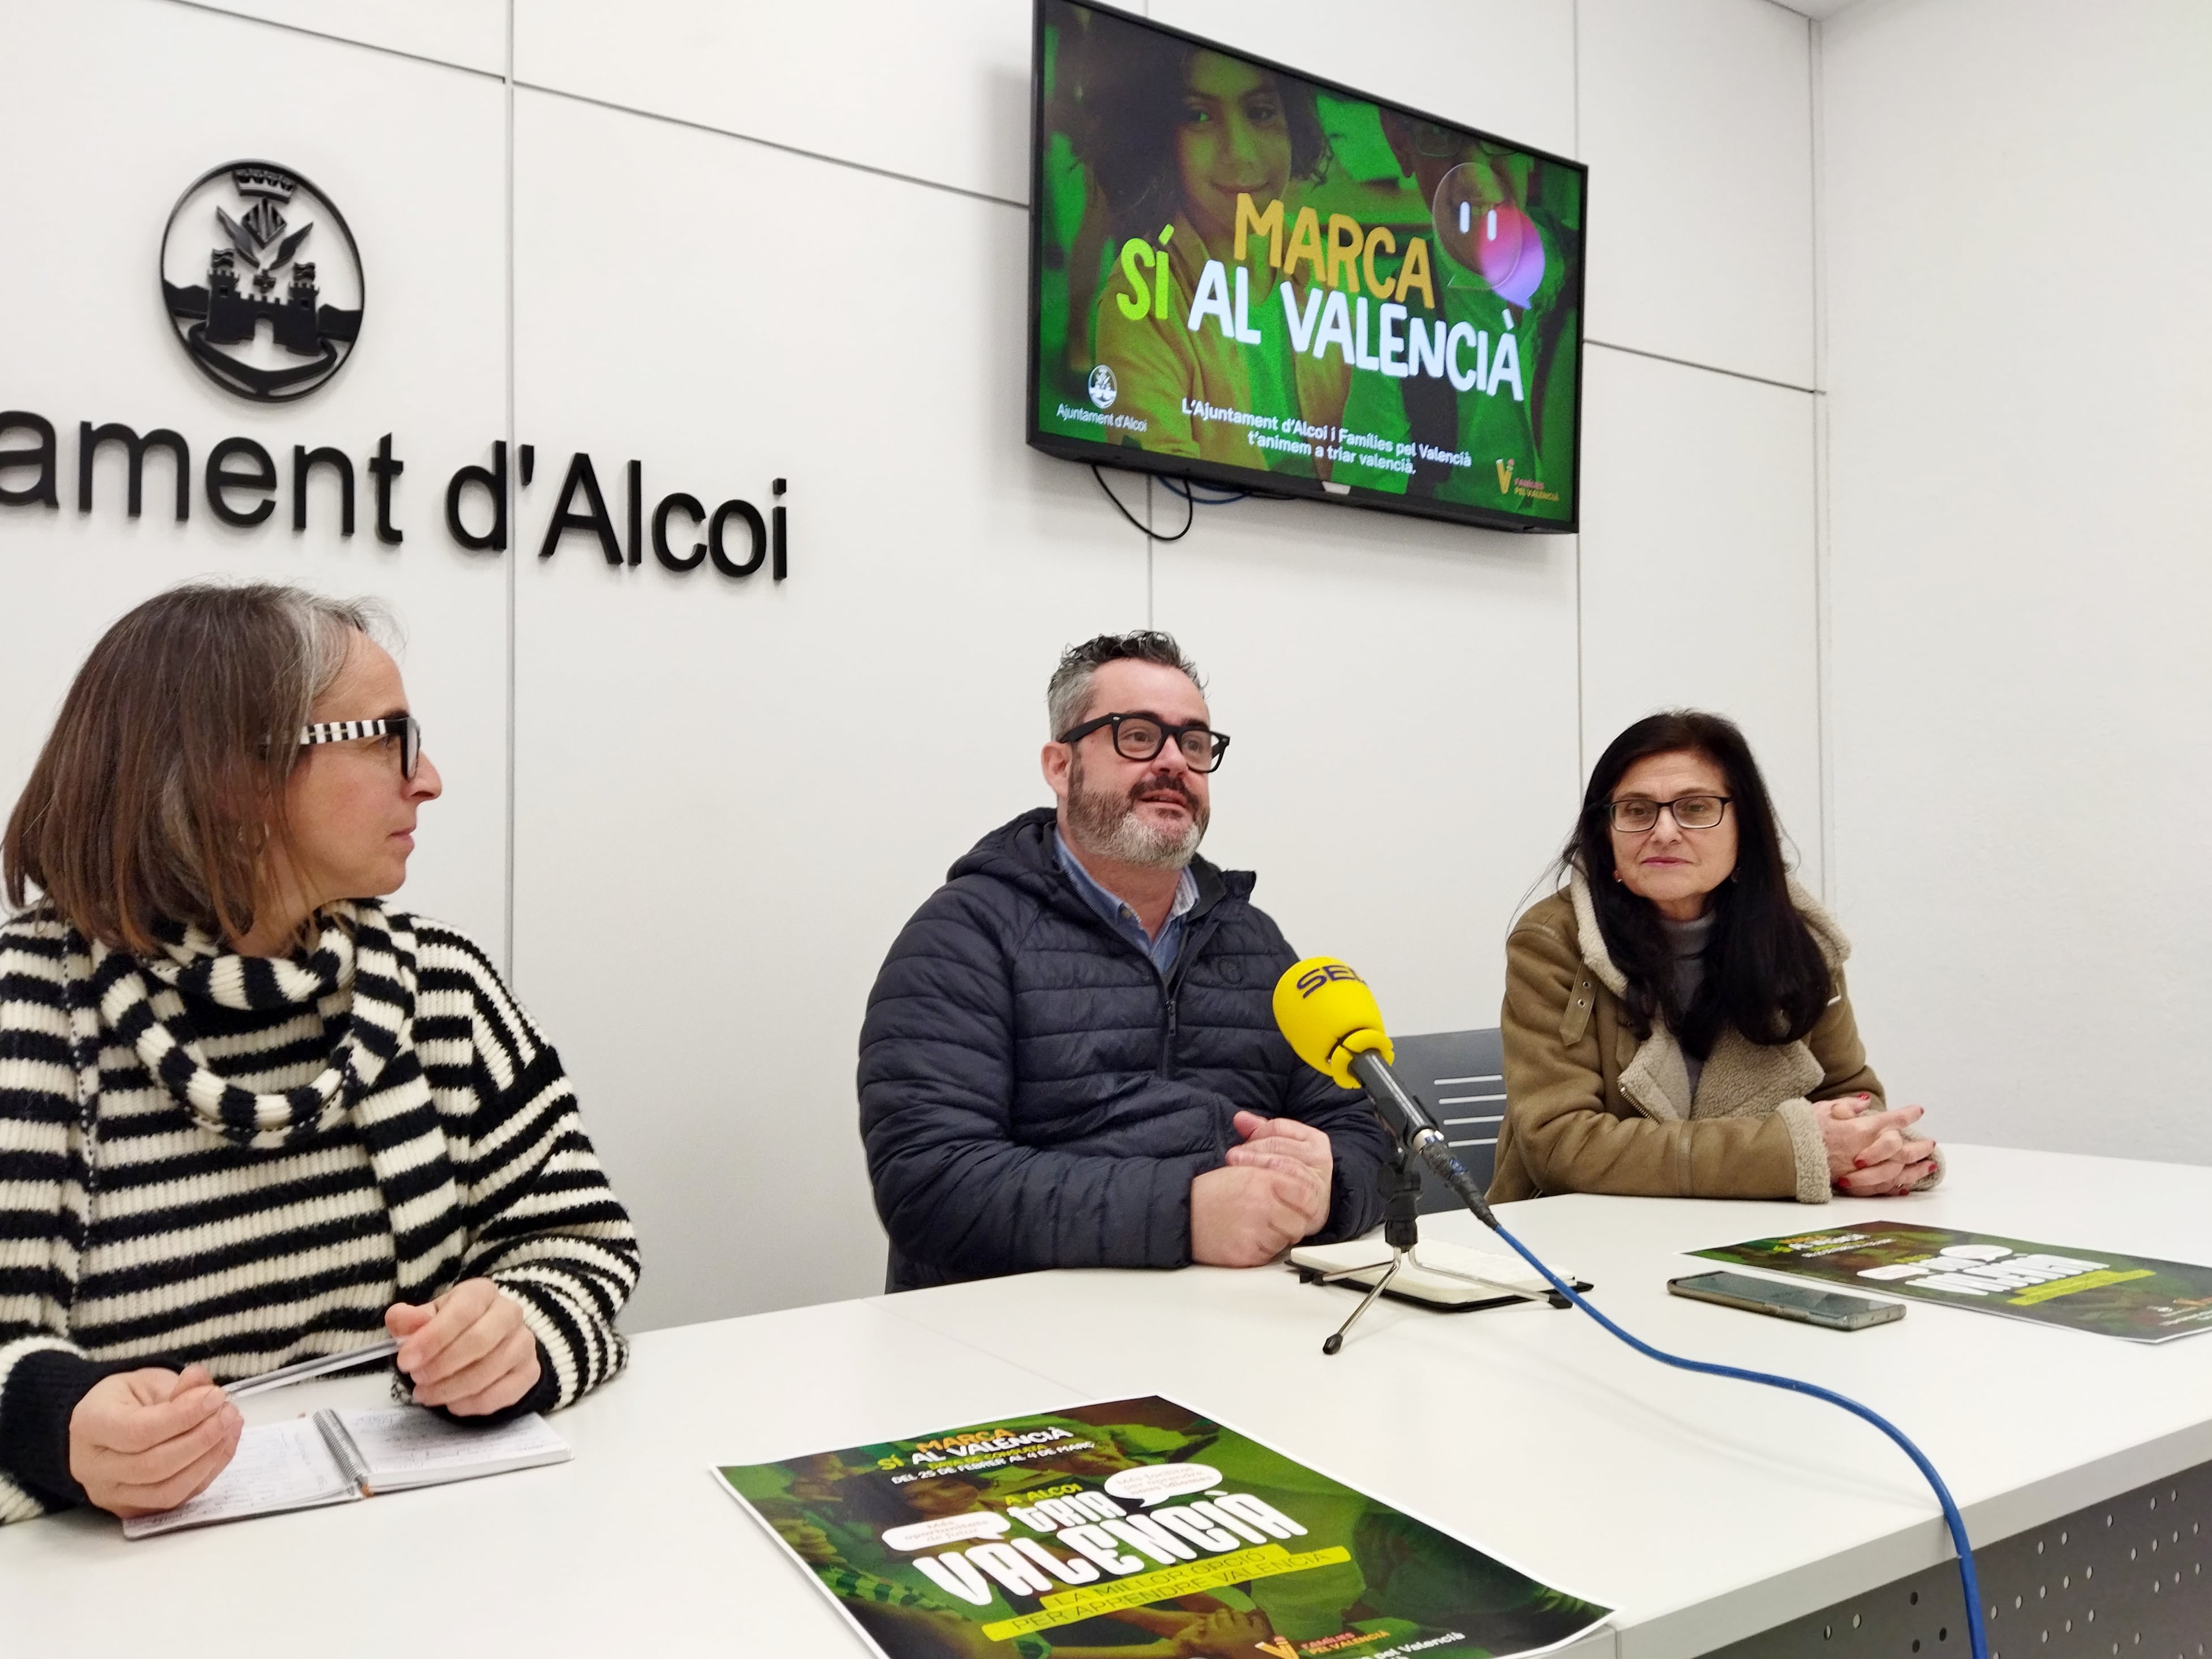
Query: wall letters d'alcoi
pixel 241 481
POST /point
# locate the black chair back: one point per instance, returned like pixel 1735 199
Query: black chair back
pixel 1460 1076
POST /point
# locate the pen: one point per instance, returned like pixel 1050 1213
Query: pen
pixel 301 1370
pixel 342 1447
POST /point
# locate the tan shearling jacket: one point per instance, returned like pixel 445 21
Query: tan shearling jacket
pixel 1591 1109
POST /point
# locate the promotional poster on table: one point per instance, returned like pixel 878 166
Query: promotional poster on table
pixel 2139 1298
pixel 1133 1528
pixel 1249 277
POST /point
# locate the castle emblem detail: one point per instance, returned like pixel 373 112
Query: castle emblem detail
pixel 262 281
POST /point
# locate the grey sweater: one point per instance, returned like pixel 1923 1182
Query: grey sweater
pixel 1689 939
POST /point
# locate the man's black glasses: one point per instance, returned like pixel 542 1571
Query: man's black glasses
pixel 1141 737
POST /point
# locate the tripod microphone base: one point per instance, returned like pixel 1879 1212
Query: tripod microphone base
pixel 1450 1278
pixel 1335 1339
pixel 1439 1275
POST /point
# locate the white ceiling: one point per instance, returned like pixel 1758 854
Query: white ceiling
pixel 1816 8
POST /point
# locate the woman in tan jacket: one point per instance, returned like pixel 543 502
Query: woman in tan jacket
pixel 1676 1021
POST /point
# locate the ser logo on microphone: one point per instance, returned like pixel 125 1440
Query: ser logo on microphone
pixel 1314 978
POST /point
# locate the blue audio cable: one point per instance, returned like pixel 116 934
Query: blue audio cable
pixel 1343 1034
pixel 1977 1636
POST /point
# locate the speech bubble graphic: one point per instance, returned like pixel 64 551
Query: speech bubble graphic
pixel 1487 234
pixel 1161 1482
pixel 945 1530
pixel 1975 1252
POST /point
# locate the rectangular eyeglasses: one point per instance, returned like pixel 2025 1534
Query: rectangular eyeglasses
pixel 405 727
pixel 1632 817
pixel 1140 736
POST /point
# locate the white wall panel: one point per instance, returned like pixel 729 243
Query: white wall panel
pixel 1402 696
pixel 2020 348
pixel 1698 577
pixel 469 32
pixel 939 92
pixel 732 795
pixel 1697 123
pixel 1506 66
pixel 411 153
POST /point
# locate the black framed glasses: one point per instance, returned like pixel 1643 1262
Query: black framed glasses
pixel 1633 816
pixel 1141 737
pixel 1438 142
pixel 405 727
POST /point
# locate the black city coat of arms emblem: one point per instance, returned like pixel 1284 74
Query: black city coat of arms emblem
pixel 252 245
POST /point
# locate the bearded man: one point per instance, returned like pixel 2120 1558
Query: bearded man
pixel 1070 1058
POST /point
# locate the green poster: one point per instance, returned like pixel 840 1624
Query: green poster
pixel 1135 1529
pixel 2138 1298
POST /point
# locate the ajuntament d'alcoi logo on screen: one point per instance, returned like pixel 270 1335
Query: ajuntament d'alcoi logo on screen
pixel 263 281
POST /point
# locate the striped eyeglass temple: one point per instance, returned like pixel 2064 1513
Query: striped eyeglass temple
pixel 405 727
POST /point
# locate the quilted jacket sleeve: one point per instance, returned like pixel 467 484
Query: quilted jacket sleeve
pixel 937 1082
pixel 1357 1138
pixel 1361 1147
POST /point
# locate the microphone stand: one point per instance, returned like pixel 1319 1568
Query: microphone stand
pixel 1419 1142
pixel 1402 1209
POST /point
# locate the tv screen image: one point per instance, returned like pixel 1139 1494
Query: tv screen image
pixel 1249 277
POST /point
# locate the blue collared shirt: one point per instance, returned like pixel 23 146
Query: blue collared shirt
pixel 1123 920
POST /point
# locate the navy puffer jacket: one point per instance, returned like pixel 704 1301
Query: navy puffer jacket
pixel 1033 1094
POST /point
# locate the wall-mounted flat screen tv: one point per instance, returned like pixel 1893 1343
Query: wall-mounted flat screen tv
pixel 1256 279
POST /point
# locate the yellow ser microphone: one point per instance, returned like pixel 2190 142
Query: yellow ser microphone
pixel 1329 1017
pixel 1332 1022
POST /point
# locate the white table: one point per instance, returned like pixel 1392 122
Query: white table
pixel 1705 1510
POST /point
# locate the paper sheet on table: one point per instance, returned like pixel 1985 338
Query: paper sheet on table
pixel 933 1544
pixel 279 1466
pixel 2137 1298
pixel 406 1446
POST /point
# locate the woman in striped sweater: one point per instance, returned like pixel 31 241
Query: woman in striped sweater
pixel 247 1114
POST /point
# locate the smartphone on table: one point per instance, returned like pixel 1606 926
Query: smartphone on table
pixel 1807 1303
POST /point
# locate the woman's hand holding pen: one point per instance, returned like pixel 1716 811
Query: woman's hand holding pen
pixel 468 1350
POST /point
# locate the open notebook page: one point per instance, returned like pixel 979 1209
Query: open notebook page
pixel 278 1466
pixel 406 1446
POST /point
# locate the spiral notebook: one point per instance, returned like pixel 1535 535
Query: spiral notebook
pixel 344 1456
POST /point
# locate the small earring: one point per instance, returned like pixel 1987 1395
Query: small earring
pixel 1616 875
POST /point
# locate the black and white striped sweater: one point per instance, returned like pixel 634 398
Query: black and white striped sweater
pixel 206 1158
